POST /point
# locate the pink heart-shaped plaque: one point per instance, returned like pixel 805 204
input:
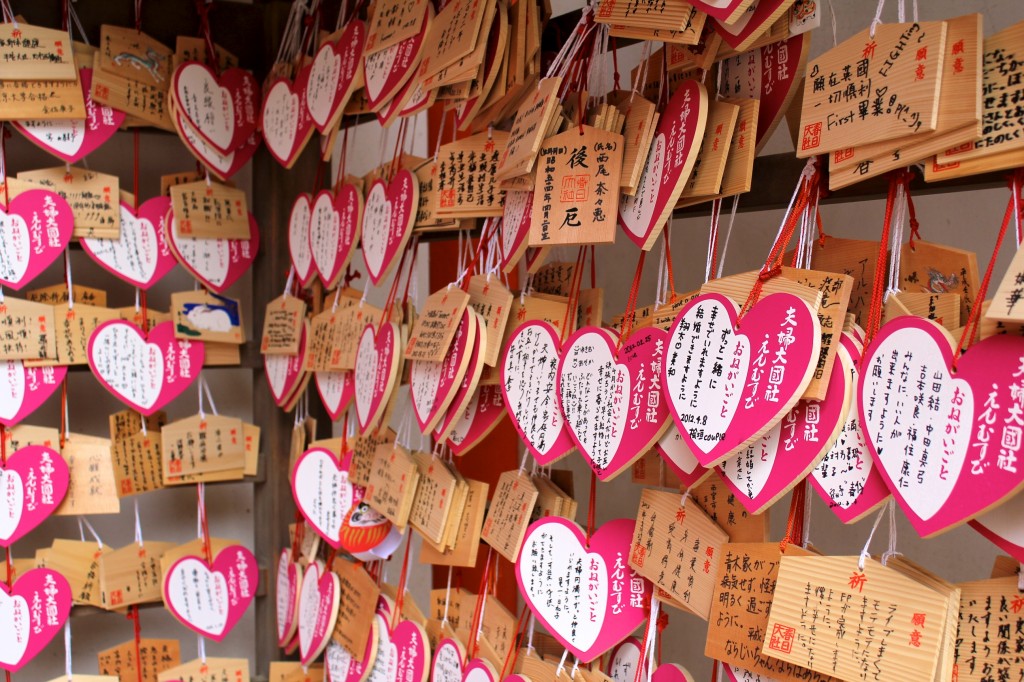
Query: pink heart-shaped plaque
pixel 375 373
pixel 287 594
pixel 678 457
pixel 318 609
pixel 284 118
pixel 31 613
pixel 210 600
pixel 484 411
pixel 610 609
pixel 387 70
pixel 388 217
pixel 71 140
pixel 753 22
pixel 470 382
pixel 144 371
pixel 515 226
pixel 433 385
pixel 479 670
pixel 446 665
pixel 726 386
pixel 298 238
pixel 323 492
pixel 529 375
pixel 341 666
pixel 768 468
pixel 285 373
pixel 140 256
pixel 624 659
pixel 669 162
pixel 34 229
pixel 334 231
pixel 216 263
pixel 846 478
pixel 221 108
pixel 907 391
pixel 671 672
pixel 24 389
pixel 337 390
pixel 332 75
pixel 1003 526
pixel 223 166
pixel 408 653
pixel 611 397
pixel 34 482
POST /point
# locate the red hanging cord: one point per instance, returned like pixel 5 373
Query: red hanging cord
pixel 513 650
pixel 795 520
pixel 915 231
pixel 137 636
pixel 207 550
pixel 574 289
pixel 592 508
pixel 402 579
pixel 629 316
pixel 298 536
pixel 3 461
pixel 478 610
pixel 203 9
pixel 615 64
pixel 716 214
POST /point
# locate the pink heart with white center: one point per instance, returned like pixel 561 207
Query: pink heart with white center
pixel 140 256
pixel 216 263
pixel 35 228
pixel 24 389
pixel 376 360
pixel 31 613
pixel 210 600
pixel 318 609
pixel 388 216
pixel 33 483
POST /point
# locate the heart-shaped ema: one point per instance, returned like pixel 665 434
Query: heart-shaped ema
pixel 71 140
pixel 223 165
pixel 337 390
pixel 376 372
pixel 318 609
pixel 333 75
pixel 140 256
pixel 433 385
pixel 728 385
pixel 286 374
pixel 529 375
pixel 24 389
pixel 31 613
pixel 671 672
pixel 479 670
pixel 679 458
pixel 624 659
pixel 298 238
pixel 408 653
pixel 611 397
pixel 768 468
pixel 284 118
pixel 670 160
pixel 323 492
pixel 1003 527
pixel 216 263
pixel 220 108
pixel 614 599
pixel 35 228
pixel 515 226
pixel 484 411
pixel 210 600
pixel 145 372
pixel 382 667
pixel 447 663
pixel 948 443
pixel 287 594
pixel 33 482
pixel 387 70
pixel 846 478
pixel 341 666
pixel 388 217
pixel 334 226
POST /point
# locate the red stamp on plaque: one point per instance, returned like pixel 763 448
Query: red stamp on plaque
pixel 843 154
pixel 447 198
pixel 812 136
pixel 782 638
pixel 639 553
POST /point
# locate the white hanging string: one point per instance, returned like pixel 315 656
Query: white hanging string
pixel 138 525
pixel 832 14
pixel 67 649
pixel 561 664
pixel 807 521
pixel 290 37
pixel 901 11
pixel 659 298
pixel 878 18
pixel 1020 578
pixel 716 210
pixel 9 17
pixel 896 248
pixel 891 551
pixel 289 281
pixel 81 530
pixel 201 646
pixel 530 627
pixel 865 553
pixel 641 80
pixel 92 531
pixel 575 667
pixel 652 635
pixel 447 598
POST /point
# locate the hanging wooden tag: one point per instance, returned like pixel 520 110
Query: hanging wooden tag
pixel 208 317
pixel 528 130
pixel 1006 304
pixel 466 176
pixel 351 319
pixel 426 218
pixel 467 539
pixel 677 548
pixel 939 269
pixel 193 49
pixel 688 35
pixel 436 324
pixel 199 445
pixel 721 505
pixel 93 489
pixel 131 575
pixel 282 325
pixel 58 293
pixel 739 163
pixel 294 671
pixel 210 670
pixel 554 278
pixel 990 616
pixel 23 435
pixel 671 15
pixel 357 604
pixel 34 53
pixel 155 655
pixel 493 302
pixel 27 330
pixel 45 101
pixel 641 117
pixel 209 210
pixel 392 483
pixel 74 327
pixel 943 309
pixel 842 107
pixel 452 35
pixel 579 171
pixel 131 73
pixel 959 117
pixel 432 502
pixel 93 197
pixel 761 17
pixel 854 258
pixel 135 456
pixel 811 588
pixel 511 506
pixel 79 563
pixel 709 167
pixel 740 607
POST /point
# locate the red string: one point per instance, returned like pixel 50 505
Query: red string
pixel 795 521
pixel 403 577
pixel 4 134
pixel 593 268
pixel 629 316
pixel 668 266
pixel 488 232
pixel 3 460
pixel 513 650
pixel 207 550
pixel 318 179
pixel 643 650
pixel 389 303
pixel 574 289
pixel 592 509
pixel 878 287
pixel 399 144
pixel 203 8
pixel 478 609
pixel 63 411
pixel 615 64
pixel 971 328
pixel 915 232
pixel 662 624
pixel 64 15
pixel 138 639
pixel 135 168
pixel 299 536
pixel 716 213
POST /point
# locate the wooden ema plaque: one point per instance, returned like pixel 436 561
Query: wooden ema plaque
pixel 452 35
pixel 93 489
pixel 721 505
pixel 709 168
pixel 466 541
pixel 528 130
pixel 33 53
pixel 493 302
pixel 1006 304
pixel 576 195
pixel 738 173
pixel 466 176
pixel 931 268
pixel 991 618
pixel 436 325
pixel 834 618
pixel 673 15
pixel 509 514
pixel 677 547
pixel 739 611
pixel 155 655
pixel 959 118
pixel 210 210
pixel 93 198
pixel 358 594
pixel 135 455
pixel 131 73
pixel 842 106
pixel 391 489
pixel 210 670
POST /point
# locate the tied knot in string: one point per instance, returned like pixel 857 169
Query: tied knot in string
pixel 203 10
